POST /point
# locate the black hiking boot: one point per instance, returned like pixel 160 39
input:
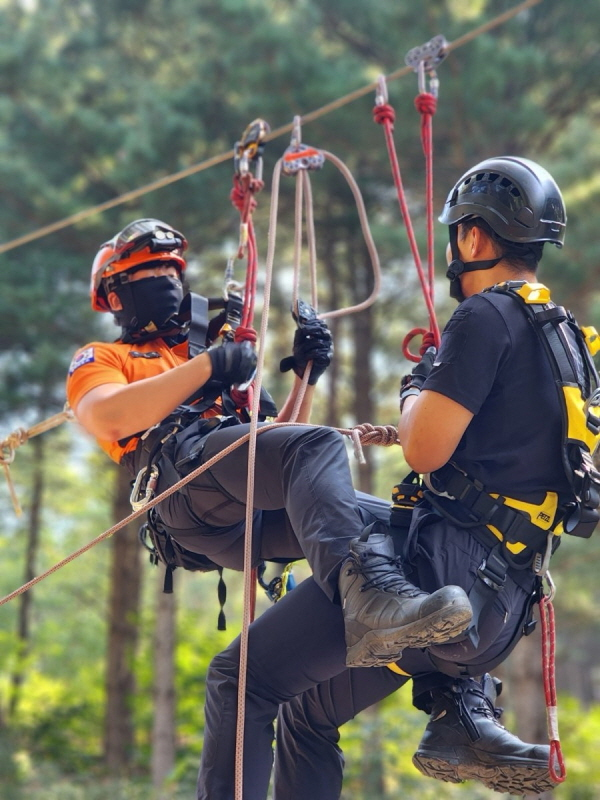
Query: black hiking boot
pixel 384 613
pixel 464 741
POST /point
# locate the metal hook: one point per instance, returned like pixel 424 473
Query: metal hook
pixel 250 147
pixel 551 586
pixel 296 132
pixel 381 94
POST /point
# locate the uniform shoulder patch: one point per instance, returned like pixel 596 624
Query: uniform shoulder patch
pixel 85 356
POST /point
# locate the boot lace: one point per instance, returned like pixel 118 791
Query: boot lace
pixel 486 709
pixel 383 573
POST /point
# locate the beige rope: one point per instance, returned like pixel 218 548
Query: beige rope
pixel 17 438
pixel 151 503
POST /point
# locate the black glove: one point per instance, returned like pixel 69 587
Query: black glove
pixel 413 383
pixel 233 364
pixel 312 342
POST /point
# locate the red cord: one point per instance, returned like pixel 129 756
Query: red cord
pixel 426 105
pixel 242 195
pixel 385 115
pixel 556 764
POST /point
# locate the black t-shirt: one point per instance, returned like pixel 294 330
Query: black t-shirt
pixel 492 363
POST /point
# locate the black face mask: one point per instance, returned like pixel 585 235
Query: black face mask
pixel 149 305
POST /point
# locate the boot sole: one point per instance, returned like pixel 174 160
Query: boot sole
pixel 380 647
pixel 513 778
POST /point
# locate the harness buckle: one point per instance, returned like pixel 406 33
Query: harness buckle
pixel 492 579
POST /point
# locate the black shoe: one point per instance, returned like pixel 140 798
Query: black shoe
pixel 464 741
pixel 384 613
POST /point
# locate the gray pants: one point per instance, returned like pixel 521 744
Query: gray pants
pixel 296 669
pixel 304 501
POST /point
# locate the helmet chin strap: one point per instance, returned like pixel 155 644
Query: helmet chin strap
pixel 456 267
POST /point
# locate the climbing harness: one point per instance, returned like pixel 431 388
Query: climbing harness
pixel 423 61
pixel 529 533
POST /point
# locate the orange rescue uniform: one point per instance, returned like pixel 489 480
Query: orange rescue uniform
pixel 100 363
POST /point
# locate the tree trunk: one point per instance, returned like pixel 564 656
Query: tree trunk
pixel 119 734
pixel 163 729
pixel 26 599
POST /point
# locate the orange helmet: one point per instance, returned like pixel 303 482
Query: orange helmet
pixel 142 242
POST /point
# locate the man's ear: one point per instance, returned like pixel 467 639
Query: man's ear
pixel 114 302
pixel 480 244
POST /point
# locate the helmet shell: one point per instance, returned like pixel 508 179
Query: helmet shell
pixel 142 242
pixel 518 198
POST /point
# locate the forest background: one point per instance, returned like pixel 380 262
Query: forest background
pixel 101 674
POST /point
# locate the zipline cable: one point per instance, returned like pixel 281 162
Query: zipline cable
pixel 221 158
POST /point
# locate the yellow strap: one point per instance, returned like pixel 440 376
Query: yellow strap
pixel 541 515
pixel 395 668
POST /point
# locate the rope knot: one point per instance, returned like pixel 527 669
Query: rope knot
pixel 384 113
pixel 243 191
pixel 426 103
pixel 427 342
pixel 366 434
pixel 244 334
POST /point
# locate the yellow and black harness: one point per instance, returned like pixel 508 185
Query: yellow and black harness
pixel 523 535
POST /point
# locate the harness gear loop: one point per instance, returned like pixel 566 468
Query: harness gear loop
pixel 384 114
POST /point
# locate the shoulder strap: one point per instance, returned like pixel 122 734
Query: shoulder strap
pixel 569 349
pixel 198 324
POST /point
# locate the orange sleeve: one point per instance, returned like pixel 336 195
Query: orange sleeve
pixel 93 365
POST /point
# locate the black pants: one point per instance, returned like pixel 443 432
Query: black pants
pixel 305 504
pixel 296 669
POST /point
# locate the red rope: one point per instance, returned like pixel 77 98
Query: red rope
pixel 556 764
pixel 426 105
pixel 384 115
pixel 242 195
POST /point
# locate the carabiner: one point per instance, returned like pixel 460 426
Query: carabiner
pixel 381 93
pixel 551 587
pixel 250 147
pixel 137 502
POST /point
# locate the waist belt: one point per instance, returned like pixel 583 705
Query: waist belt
pixel 521 528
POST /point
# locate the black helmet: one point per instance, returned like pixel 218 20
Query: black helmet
pixel 518 199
